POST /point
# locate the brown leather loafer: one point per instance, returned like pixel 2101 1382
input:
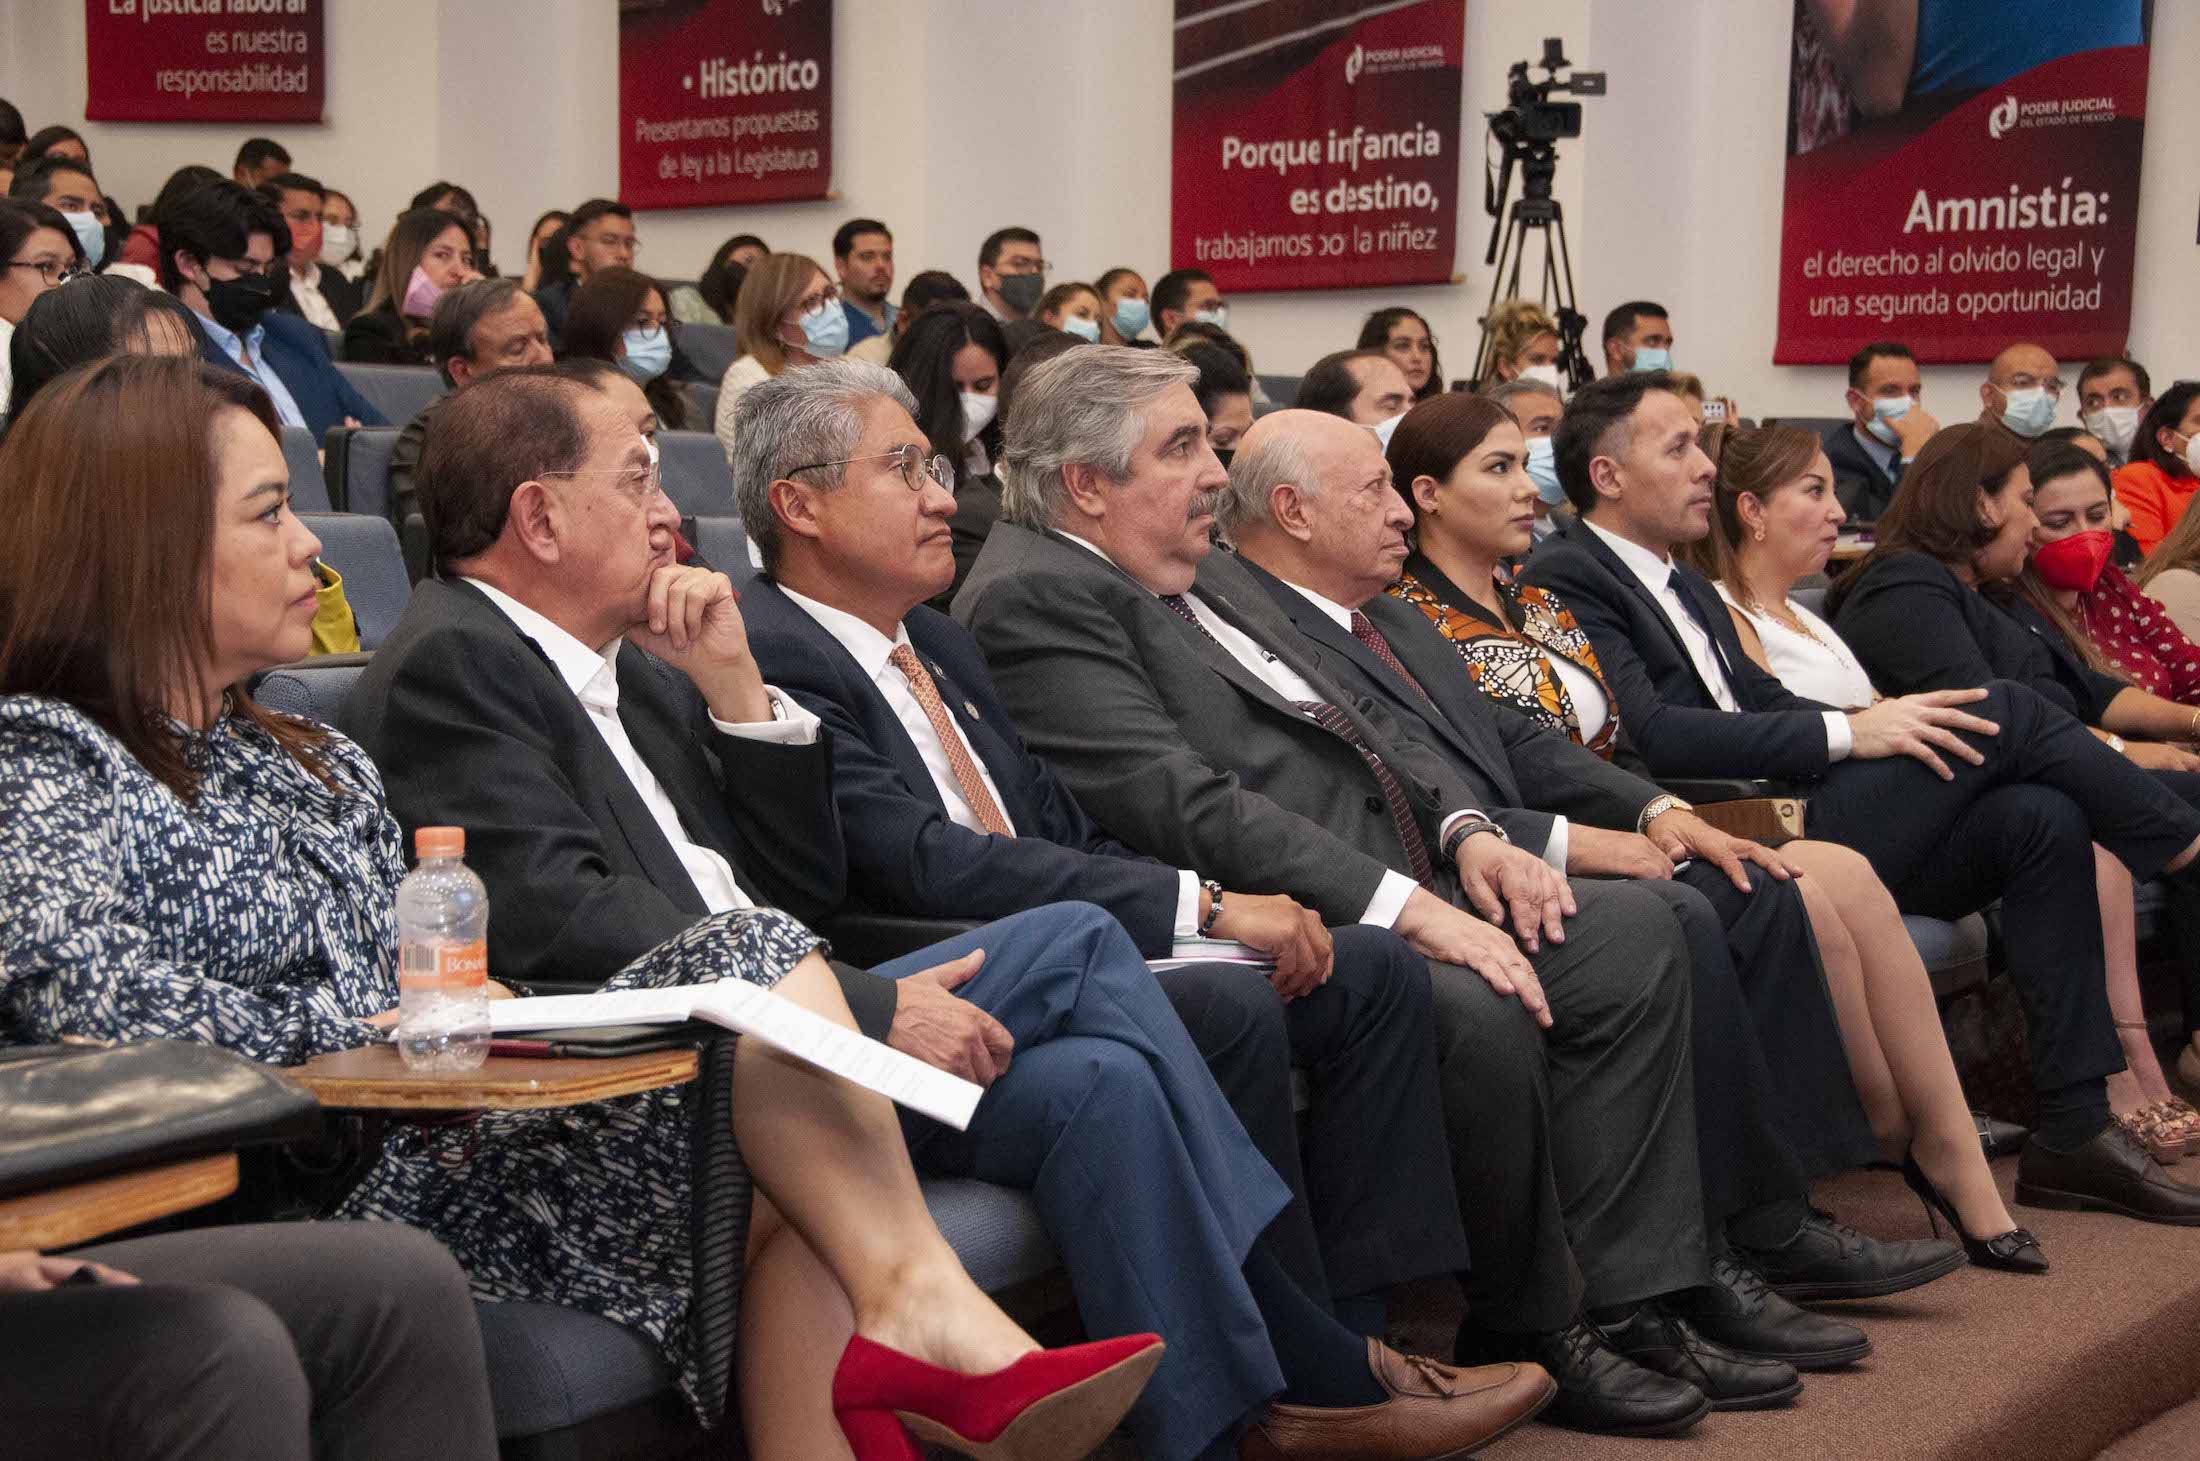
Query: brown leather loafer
pixel 1435 1412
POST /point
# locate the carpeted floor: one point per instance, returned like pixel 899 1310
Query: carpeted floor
pixel 1981 1366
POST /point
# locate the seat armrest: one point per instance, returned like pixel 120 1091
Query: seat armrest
pixel 868 939
pixel 1700 789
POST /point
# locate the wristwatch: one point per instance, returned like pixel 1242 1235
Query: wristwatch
pixel 1214 907
pixel 1467 828
pixel 1659 806
pixel 2116 744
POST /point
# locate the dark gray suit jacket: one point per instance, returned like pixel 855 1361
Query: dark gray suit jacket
pixel 1175 747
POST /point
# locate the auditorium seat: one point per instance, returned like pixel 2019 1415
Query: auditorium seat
pixel 702 403
pixel 359 468
pixel 364 549
pixel 310 689
pixel 696 477
pixel 724 545
pixel 308 489
pixel 1282 390
pixel 711 347
pixel 397 391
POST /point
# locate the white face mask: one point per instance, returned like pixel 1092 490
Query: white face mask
pixel 1217 315
pixel 1544 375
pixel 978 412
pixel 1386 428
pixel 338 242
pixel 2192 453
pixel 2115 426
pixel 2028 411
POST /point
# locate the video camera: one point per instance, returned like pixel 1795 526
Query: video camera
pixel 1530 117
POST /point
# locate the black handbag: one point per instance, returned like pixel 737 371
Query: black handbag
pixel 69 1113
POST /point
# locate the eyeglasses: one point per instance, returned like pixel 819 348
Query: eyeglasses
pixel 642 482
pixel 811 303
pixel 53 271
pixel 909 461
pixel 1021 266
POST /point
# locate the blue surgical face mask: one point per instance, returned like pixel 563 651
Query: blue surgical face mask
pixel 1386 428
pixel 648 353
pixel 2028 412
pixel 1131 318
pixel 90 233
pixel 1543 471
pixel 825 330
pixel 1217 315
pixel 1653 357
pixel 1085 330
pixel 1886 410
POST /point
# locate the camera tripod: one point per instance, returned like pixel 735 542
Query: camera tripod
pixel 1535 211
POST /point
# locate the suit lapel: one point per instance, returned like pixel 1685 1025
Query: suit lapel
pixel 1659 614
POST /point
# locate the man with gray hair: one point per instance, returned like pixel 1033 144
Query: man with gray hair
pixel 490 324
pixel 1187 716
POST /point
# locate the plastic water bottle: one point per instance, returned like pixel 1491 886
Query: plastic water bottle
pixel 442 957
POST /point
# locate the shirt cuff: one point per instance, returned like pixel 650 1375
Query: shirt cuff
pixel 1554 851
pixel 1840 736
pixel 1187 904
pixel 792 724
pixel 1389 900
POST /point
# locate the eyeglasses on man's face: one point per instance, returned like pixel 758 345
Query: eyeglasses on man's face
pixel 909 460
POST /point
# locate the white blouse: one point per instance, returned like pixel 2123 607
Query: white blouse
pixel 1816 664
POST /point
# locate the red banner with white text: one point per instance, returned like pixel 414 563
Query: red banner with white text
pixel 1316 144
pixel 203 61
pixel 724 101
pixel 1965 185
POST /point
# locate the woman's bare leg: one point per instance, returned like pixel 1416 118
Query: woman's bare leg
pixel 1875 1083
pixel 1904 1023
pixel 2142 1083
pixel 795 1321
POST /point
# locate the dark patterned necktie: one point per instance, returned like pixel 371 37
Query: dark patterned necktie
pixel 1364 630
pixel 1338 724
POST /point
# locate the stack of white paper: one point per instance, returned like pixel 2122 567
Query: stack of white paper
pixel 1212 951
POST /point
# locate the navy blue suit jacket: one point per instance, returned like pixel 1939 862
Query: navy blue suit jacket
pixel 298 354
pixel 1669 712
pixel 1861 484
pixel 904 854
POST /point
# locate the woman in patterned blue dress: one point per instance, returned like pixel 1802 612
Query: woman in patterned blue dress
pixel 176 862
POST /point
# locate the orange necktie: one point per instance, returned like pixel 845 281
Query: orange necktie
pixel 981 801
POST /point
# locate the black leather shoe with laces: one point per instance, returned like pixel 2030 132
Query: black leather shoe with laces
pixel 1831 1260
pixel 1740 1312
pixel 1599 1389
pixel 1660 1340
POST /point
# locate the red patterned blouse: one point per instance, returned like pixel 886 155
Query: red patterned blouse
pixel 2138 637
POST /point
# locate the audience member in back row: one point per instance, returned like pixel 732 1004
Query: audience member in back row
pixel 788 316
pixel 2113 393
pixel 1536 408
pixel 1181 708
pixel 709 300
pixel 1363 386
pixel 259 161
pixel 1637 336
pixel 863 258
pixel 92 319
pixel 847 564
pixel 921 292
pixel 618 316
pixel 1329 547
pixel 1523 344
pixel 1124 311
pixel 1187 294
pixel 2006 815
pixel 599 235
pixel 1012 273
pixel 1074 307
pixel 68 187
pixel 490 324
pixel 429 253
pixel 37 251
pixel 1869 455
pixel 2020 392
pixel 1404 336
pixel 325 298
pixel 545 229
pixel 340 243
pixel 2158 483
pixel 1225 394
pixel 1773 525
pixel 141 248
pixel 951 359
pixel 506 668
pixel 182 864
pixel 222 250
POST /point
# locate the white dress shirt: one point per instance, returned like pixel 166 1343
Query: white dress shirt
pixel 305 289
pixel 1880 453
pixel 593 677
pixel 1656 575
pixel 245 350
pixel 1391 893
pixel 870 650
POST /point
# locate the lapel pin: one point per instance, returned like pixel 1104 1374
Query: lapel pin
pixel 973 711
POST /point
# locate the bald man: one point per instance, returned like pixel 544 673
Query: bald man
pixel 2022 390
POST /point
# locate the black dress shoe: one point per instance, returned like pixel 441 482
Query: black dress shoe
pixel 1599 1390
pixel 1660 1340
pixel 1830 1260
pixel 1738 1311
pixel 1999 1138
pixel 2015 1251
pixel 2110 1173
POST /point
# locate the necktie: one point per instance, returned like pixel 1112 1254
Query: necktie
pixel 1364 630
pixel 1338 724
pixel 974 792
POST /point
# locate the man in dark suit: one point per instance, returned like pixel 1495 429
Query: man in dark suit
pixel 591 712
pixel 222 253
pixel 1869 454
pixel 1176 702
pixel 2006 805
pixel 946 814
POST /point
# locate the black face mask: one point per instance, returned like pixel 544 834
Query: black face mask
pixel 1224 454
pixel 238 304
pixel 1020 292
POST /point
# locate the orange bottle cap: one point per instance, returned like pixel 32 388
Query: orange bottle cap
pixel 440 842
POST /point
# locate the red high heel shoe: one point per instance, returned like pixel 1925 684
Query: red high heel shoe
pixel 1051 1405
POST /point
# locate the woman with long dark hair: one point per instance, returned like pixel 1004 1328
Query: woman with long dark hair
pixel 619 316
pixel 952 357
pixel 429 253
pixel 1405 337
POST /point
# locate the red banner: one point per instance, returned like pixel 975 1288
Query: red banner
pixel 203 60
pixel 1997 202
pixel 724 101
pixel 1316 144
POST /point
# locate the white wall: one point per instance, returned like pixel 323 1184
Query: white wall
pixel 954 117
